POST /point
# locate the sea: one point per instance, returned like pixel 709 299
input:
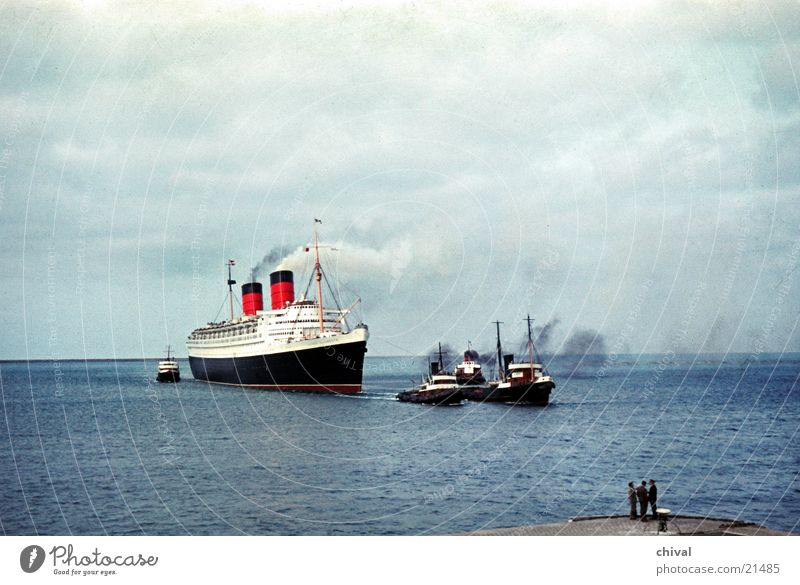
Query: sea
pixel 98 447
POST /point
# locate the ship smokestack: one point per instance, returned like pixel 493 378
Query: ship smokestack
pixel 252 299
pixel 281 284
pixel 507 359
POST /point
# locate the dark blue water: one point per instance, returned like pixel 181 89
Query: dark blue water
pixel 96 448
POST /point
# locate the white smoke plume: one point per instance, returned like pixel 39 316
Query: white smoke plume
pixel 390 261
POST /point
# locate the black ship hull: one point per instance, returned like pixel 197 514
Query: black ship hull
pixel 534 394
pixel 435 397
pixel 170 377
pixel 336 369
pixel 473 380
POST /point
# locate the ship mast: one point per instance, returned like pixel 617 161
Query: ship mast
pixel 318 273
pixel 231 282
pixel 530 341
pixel 500 370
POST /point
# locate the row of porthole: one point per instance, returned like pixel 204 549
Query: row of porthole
pixel 223 336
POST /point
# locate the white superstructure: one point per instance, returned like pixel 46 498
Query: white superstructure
pixel 293 328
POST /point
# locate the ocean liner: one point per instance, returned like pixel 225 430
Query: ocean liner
pixel 297 344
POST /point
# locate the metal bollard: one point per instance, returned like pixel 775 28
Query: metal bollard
pixel 663 517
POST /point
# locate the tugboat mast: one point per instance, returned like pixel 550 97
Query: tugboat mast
pixel 231 282
pixel 500 370
pixel 318 272
pixel 530 341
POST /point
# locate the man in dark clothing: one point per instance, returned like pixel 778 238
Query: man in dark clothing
pixel 632 499
pixel 641 493
pixel 653 497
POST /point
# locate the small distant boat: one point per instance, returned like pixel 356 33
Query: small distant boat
pixel 168 370
pixel 520 383
pixel 441 388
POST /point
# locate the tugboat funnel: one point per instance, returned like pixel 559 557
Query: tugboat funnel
pixel 507 359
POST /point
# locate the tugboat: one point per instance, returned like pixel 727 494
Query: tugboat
pixel 468 372
pixel 520 383
pixel 439 389
pixel 470 377
pixel 168 370
pixel 297 345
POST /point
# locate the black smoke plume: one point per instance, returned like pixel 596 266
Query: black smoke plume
pixel 481 358
pixel 585 342
pixel 447 354
pixel 542 335
pixel 581 354
pixel 542 338
pixel 268 262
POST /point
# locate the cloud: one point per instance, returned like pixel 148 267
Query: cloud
pixel 448 149
pixel 778 74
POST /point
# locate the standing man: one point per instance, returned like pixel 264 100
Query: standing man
pixel 632 499
pixel 653 497
pixel 641 493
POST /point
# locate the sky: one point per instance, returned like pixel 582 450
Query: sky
pixel 629 169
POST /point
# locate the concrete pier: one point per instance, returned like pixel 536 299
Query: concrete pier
pixel 624 526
